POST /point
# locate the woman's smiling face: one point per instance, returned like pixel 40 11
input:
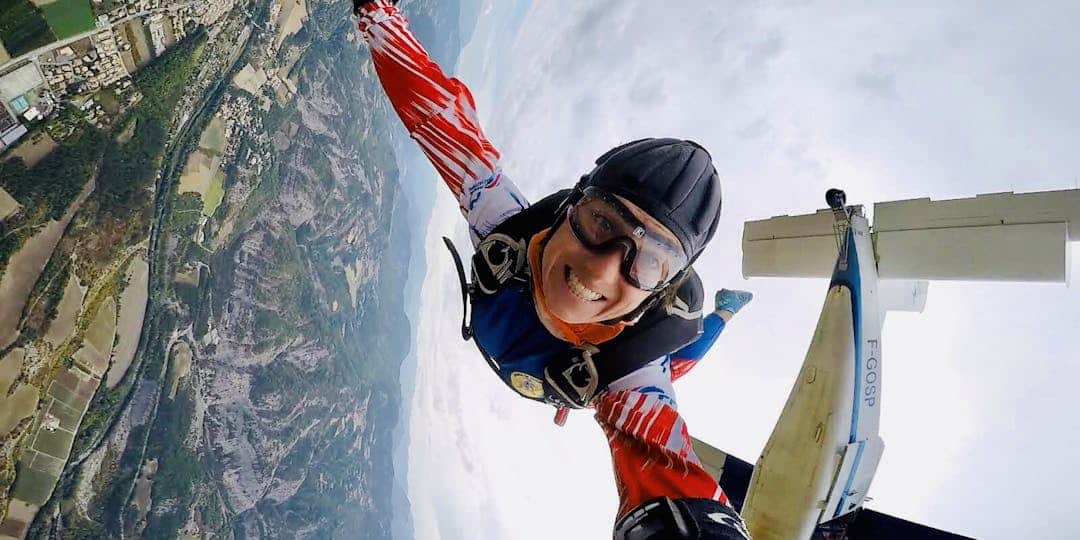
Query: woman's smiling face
pixel 582 286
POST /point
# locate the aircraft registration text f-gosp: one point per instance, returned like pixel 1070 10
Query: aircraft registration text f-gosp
pixel 870 380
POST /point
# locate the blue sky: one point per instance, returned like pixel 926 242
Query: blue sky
pixel 889 102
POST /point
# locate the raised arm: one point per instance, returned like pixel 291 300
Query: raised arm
pixel 653 459
pixel 651 448
pixel 440 115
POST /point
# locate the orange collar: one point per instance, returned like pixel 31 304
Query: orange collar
pixel 578 334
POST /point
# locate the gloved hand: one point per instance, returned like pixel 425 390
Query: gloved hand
pixel 732 301
pixel 357 4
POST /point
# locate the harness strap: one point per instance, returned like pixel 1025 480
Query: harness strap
pixel 578 375
pixel 466 332
pixel 656 335
pixel 466 291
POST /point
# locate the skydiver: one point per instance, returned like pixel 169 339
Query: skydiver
pixel 586 298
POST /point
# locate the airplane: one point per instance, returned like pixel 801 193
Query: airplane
pixel 812 477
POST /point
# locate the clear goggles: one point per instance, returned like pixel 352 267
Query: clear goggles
pixel 602 223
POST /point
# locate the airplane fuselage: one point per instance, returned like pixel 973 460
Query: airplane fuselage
pixel 818 463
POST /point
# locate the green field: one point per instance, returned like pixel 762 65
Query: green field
pixel 55 443
pixel 69 17
pixel 33 486
pixel 61 393
pixel 214 194
pixel 47 464
pixel 213 137
pixel 69 417
pixel 23 28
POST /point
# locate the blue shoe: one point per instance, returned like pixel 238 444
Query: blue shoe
pixel 732 301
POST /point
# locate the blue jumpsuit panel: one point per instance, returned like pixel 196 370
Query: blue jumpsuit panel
pixel 505 326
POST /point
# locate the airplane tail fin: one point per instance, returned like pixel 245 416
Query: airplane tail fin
pixel 902 295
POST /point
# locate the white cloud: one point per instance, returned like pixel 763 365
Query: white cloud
pixel 912 100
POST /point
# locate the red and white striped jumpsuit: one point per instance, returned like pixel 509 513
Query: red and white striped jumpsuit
pixel 650 447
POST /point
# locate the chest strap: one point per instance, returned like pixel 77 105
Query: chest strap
pixel 580 374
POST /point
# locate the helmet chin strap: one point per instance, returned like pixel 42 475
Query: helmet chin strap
pixel 649 302
pixel 633 316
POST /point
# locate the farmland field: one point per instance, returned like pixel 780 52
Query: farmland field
pixel 23 27
pixel 290 19
pixel 203 174
pixel 54 443
pixel 129 327
pixel 61 326
pixel 19 516
pixel 197 173
pixel 68 17
pixel 8 205
pixel 69 417
pixel 60 393
pixel 26 265
pixel 98 341
pixel 33 148
pixel 32 485
pixel 16 406
pixel 47 463
pixel 213 137
pixel 10 366
pixel 180 367
pixel 18 280
pixel 214 194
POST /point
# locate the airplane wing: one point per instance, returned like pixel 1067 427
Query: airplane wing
pixel 869 524
pixel 733 475
pixel 990 237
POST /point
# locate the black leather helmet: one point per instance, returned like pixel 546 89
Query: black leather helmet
pixel 672 180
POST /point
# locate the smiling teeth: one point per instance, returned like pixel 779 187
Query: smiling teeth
pixel 581 291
